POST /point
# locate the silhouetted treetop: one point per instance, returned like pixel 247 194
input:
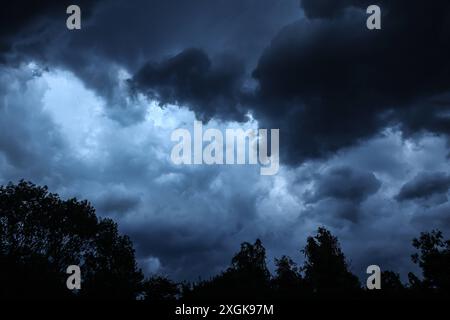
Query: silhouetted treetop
pixel 41 235
pixel 325 267
pixel 434 260
pixel 159 289
pixel 251 258
pixel 286 269
pixel 390 281
pixel 288 282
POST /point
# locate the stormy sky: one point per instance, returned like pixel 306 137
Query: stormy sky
pixel 364 119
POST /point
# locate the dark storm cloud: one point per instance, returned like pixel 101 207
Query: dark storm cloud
pixel 330 83
pixel 339 192
pixel 337 212
pixel 22 18
pixel 36 31
pixel 432 114
pixel 123 35
pixel 437 217
pixel 346 184
pixel 325 81
pixel 425 185
pixel 190 79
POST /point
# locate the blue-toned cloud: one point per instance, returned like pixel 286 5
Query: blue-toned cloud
pixel 364 130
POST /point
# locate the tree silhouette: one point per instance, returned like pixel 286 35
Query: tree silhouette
pixel 112 267
pixel 434 260
pixel 247 278
pixel 326 269
pixel 390 281
pixel 251 259
pixel 288 282
pixel 160 289
pixel 41 235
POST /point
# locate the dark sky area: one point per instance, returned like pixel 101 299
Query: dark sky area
pixel 364 119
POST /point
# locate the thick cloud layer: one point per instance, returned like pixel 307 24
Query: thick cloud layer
pixel 189 79
pixel 331 82
pixel 363 117
pixel 117 36
pixel 425 185
pixel 22 20
pixel 187 221
pixel 345 183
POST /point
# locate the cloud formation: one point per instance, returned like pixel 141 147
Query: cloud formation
pixel 330 82
pixel 345 183
pixel 189 79
pixel 363 118
pixel 425 185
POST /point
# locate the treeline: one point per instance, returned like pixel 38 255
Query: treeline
pixel 41 234
pixel 325 274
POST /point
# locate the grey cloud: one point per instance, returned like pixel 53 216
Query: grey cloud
pixel 425 185
pixel 436 217
pixel 117 203
pixel 346 184
pixel 30 143
pixel 327 84
pixel 154 30
pixel 303 76
pixel 190 79
pixel 330 83
pixel 25 20
pixel 336 212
